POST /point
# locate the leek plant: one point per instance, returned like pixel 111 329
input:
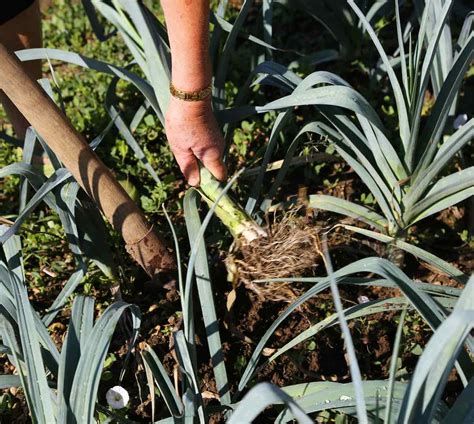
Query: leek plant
pixel 287 247
pixel 236 219
pixel 405 175
pixel 441 307
pixel 436 304
pixel 388 169
pixel 60 387
pixel 404 172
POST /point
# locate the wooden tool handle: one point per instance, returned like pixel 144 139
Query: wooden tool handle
pixel 90 172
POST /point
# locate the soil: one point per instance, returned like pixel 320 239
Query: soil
pixel 319 359
pixel 322 360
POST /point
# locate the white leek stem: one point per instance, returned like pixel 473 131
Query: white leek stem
pixel 239 223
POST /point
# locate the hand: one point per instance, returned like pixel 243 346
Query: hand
pixel 193 134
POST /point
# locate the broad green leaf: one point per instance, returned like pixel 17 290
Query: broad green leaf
pixel 259 398
pixel 446 192
pixel 340 96
pixel 85 62
pixel 192 399
pixel 157 64
pixel 348 342
pixel 417 104
pixel 401 48
pixel 367 170
pixel 35 373
pixel 87 377
pixel 403 117
pixel 320 396
pixel 354 149
pixel 393 367
pixel 54 181
pixel 28 150
pixel 12 250
pixel 82 311
pixel 448 149
pixel 126 31
pixel 206 296
pixel 465 32
pixel 422 254
pixel 345 207
pixel 385 156
pixel 163 381
pixel 432 132
pixel 437 361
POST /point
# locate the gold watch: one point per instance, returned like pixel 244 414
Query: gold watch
pixel 190 96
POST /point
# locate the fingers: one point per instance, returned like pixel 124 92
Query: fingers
pixel 189 166
pixel 194 136
pixel 216 167
pixel 211 158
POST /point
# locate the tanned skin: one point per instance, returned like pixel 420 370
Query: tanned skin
pixel 191 127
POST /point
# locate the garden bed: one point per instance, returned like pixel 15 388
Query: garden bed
pixel 245 309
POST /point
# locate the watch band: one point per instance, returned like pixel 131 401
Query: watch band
pixel 191 96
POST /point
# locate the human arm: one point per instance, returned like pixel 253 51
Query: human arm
pixel 190 126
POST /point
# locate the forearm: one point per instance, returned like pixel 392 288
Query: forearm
pixel 187 22
pixel 191 127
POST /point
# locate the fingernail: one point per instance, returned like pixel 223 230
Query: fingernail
pixel 193 181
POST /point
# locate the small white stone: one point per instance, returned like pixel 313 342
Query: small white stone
pixel 344 397
pixel 363 299
pixel 459 121
pixel 117 397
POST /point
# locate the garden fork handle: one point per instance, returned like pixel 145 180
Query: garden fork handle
pixel 143 243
